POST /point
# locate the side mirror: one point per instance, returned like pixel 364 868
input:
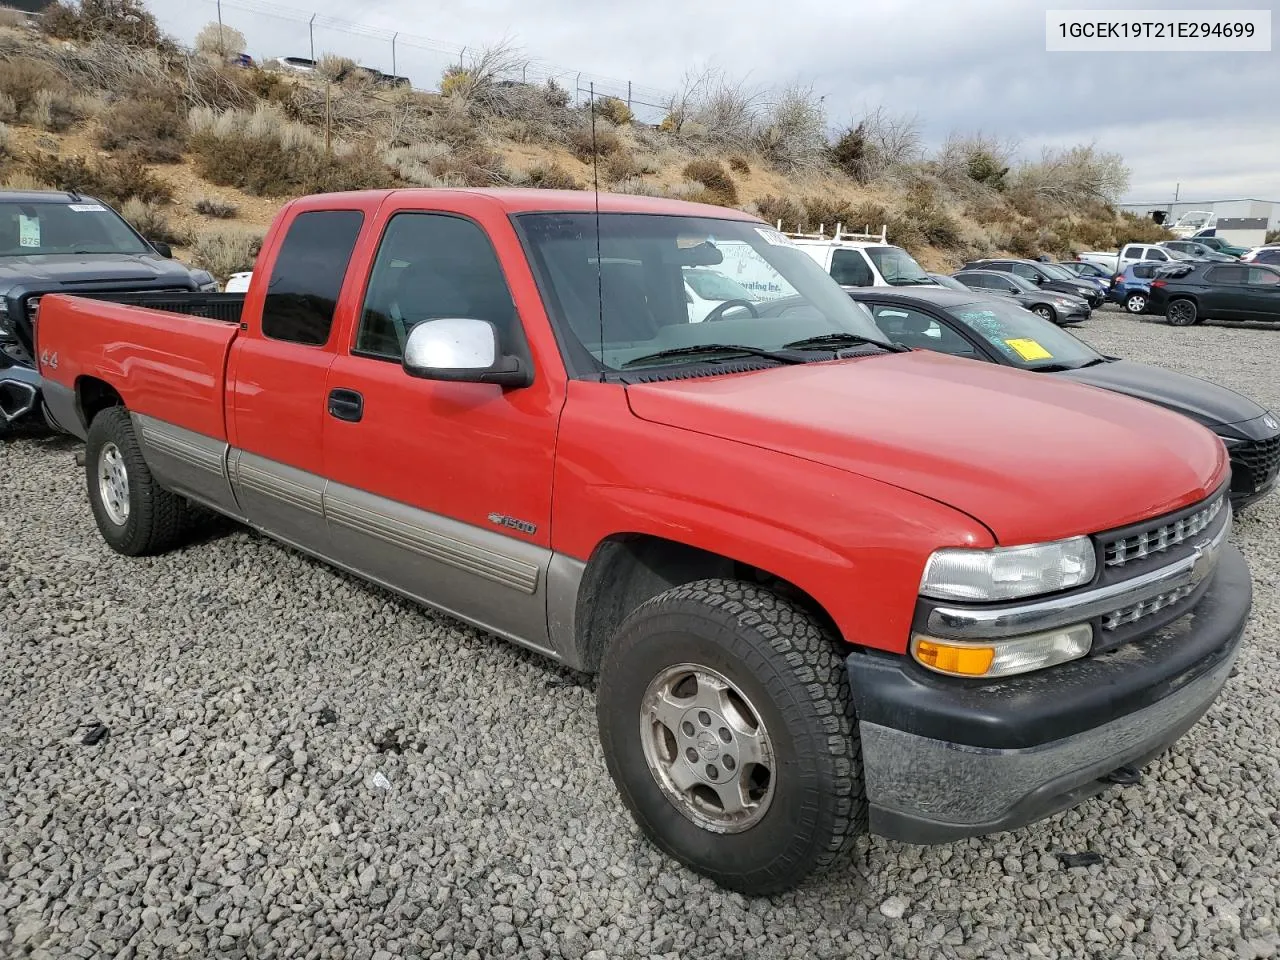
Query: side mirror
pixel 462 350
pixel 1038 279
pixel 161 248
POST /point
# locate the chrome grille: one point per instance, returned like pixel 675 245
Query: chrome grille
pixel 1117 553
pixel 1146 607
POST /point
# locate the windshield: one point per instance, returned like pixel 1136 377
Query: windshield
pixel 710 285
pixel 1024 339
pixel 630 302
pixel 1057 272
pixel 897 266
pixel 38 229
pixel 1177 254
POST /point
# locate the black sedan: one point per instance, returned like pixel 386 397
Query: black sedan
pixel 1059 308
pixel 1193 293
pixel 1047 276
pixel 998 331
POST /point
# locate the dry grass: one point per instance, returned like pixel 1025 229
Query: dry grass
pixel 150 220
pixel 213 207
pixel 219 40
pixel 151 124
pixel 226 250
pixel 112 179
pixel 715 181
pixel 551 177
pixel 265 154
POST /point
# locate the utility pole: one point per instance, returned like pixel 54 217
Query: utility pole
pixel 393 52
pixel 311 33
pixel 222 43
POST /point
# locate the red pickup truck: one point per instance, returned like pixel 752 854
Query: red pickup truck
pixel 828 584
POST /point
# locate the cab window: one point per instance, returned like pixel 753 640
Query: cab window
pixel 431 266
pixel 912 328
pixel 849 268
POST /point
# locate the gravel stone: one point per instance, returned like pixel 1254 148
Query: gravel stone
pixel 242 806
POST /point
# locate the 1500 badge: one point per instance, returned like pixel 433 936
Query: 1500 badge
pixel 524 526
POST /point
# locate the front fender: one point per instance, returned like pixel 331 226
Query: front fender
pixel 857 546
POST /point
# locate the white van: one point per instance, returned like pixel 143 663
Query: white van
pixel 862 259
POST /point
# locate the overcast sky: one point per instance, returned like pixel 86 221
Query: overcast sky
pixel 1209 121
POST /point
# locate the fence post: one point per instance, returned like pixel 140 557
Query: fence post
pixel 311 34
pixel 628 96
pixel 393 52
pixel 222 44
pixel 577 88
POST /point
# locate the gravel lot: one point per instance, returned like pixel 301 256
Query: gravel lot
pixel 300 765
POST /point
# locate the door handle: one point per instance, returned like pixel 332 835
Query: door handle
pixel 346 405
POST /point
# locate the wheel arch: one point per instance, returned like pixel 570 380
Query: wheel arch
pixel 94 395
pixel 626 569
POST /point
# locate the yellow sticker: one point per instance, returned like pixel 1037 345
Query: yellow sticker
pixel 1029 349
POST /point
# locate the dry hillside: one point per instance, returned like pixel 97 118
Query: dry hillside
pixel 201 154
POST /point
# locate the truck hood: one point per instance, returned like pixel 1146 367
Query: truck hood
pixel 43 274
pixel 1032 457
pixel 1205 402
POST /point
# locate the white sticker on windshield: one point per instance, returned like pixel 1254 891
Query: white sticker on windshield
pixel 773 237
pixel 28 231
pixel 87 207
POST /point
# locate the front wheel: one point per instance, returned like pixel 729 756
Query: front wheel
pixel 1181 313
pixel 1045 311
pixel 725 718
pixel 1136 303
pixel 135 515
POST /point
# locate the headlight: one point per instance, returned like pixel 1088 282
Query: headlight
pixel 1005 573
pixel 1064 303
pixel 1003 658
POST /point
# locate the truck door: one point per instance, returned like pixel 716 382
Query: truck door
pixel 277 375
pixel 442 490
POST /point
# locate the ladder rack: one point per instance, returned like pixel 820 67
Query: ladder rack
pixel 841 234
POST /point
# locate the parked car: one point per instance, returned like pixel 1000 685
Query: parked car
pixel 1132 289
pixel 863 262
pixel 1087 271
pixel 1196 250
pixel 1222 246
pixel 1047 276
pixel 1217 291
pixel 240 60
pixel 1059 308
pixel 1264 254
pixel 1131 254
pixel 293 64
pixel 998 332
pixel 56 240
pixel 951 283
pixel 827 583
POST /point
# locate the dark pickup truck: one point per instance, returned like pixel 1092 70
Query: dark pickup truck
pixel 59 242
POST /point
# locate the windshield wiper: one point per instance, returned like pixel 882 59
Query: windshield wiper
pixel 834 341
pixel 710 351
pixel 1095 361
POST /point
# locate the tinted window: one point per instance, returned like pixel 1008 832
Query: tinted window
pixel 431 266
pixel 1143 271
pixel 1132 252
pixel 38 229
pixel 849 268
pixel 1260 277
pixel 977 280
pixel 1267 256
pixel 308 274
pixel 1227 275
pixel 1025 270
pixel 1157 255
pixel 915 329
pixel 1001 265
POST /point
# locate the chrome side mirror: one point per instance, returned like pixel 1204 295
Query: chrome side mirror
pixel 463 350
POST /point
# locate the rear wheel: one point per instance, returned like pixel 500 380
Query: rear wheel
pixel 1181 313
pixel 1136 302
pixel 1046 311
pixel 726 724
pixel 134 514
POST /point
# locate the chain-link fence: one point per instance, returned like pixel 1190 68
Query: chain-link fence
pixel 273 31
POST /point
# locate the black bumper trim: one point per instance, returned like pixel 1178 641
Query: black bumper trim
pixel 1036 708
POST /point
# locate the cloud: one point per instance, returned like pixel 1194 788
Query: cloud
pixel 1207 120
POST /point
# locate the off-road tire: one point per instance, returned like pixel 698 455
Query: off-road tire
pixel 793 672
pixel 157 520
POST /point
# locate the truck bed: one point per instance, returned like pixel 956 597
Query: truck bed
pixel 165 354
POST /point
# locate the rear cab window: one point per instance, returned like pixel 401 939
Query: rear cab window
pixel 307 276
pixel 849 268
